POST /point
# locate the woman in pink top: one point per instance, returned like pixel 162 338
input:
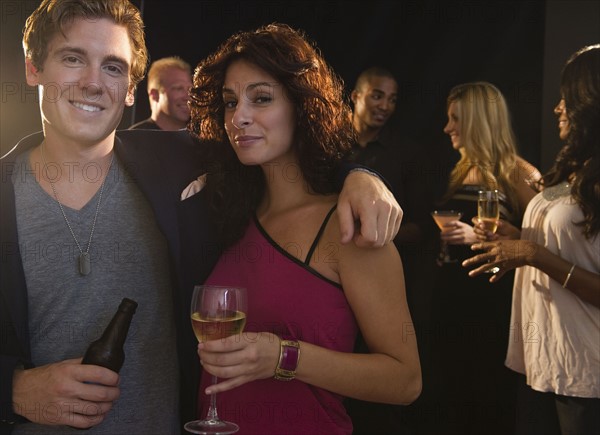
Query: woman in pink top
pixel 274 111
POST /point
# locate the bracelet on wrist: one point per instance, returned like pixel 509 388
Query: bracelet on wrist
pixel 289 355
pixel 568 276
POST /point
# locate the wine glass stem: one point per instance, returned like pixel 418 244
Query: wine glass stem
pixel 445 256
pixel 212 410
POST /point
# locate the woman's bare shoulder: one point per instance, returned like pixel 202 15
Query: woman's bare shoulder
pixel 526 174
pixel 527 170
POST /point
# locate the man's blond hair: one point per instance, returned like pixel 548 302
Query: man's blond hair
pixel 155 73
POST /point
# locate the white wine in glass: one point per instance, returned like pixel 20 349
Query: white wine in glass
pixel 488 213
pixel 441 218
pixel 217 312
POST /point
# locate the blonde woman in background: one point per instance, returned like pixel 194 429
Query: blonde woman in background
pixel 480 129
pixel 474 390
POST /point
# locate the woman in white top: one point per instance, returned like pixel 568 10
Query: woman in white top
pixel 555 325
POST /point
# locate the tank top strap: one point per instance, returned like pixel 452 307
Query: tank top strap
pixel 311 251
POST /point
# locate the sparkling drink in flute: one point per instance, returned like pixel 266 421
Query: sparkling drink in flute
pixel 488 213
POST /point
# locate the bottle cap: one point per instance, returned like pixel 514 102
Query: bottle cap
pixel 128 305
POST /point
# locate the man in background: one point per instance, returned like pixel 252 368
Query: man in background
pixel 383 145
pixel 169 81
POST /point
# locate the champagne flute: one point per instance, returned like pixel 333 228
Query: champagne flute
pixel 488 213
pixel 217 312
pixel 441 218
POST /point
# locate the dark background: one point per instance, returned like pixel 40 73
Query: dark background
pixel 430 46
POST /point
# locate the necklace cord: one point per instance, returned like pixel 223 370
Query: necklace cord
pixel 63 210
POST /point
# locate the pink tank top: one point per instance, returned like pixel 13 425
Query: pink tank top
pixel 290 299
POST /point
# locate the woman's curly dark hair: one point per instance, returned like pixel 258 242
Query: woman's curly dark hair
pixel 323 131
pixel 580 88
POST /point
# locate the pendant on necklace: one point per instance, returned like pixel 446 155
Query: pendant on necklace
pixel 85 264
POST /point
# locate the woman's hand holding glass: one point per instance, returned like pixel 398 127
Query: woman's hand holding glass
pixel 446 220
pixel 504 231
pixel 239 359
pixel 458 233
pixel 503 249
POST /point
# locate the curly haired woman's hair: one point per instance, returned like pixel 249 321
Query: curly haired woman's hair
pixel 580 156
pixel 487 139
pixel 323 131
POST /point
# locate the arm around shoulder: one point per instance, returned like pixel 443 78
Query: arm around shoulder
pixel 367 200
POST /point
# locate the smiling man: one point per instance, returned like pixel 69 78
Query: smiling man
pixel 374 98
pixel 169 82
pixel 81 236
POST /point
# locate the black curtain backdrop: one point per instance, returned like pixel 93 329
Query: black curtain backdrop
pixel 429 45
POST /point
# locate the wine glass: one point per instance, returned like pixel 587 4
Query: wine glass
pixel 441 218
pixel 488 213
pixel 217 312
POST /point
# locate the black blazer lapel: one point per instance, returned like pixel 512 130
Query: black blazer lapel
pixel 162 163
pixel 14 338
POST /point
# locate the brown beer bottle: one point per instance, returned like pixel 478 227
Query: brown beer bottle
pixel 107 351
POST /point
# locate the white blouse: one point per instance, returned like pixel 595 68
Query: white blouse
pixel 555 336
